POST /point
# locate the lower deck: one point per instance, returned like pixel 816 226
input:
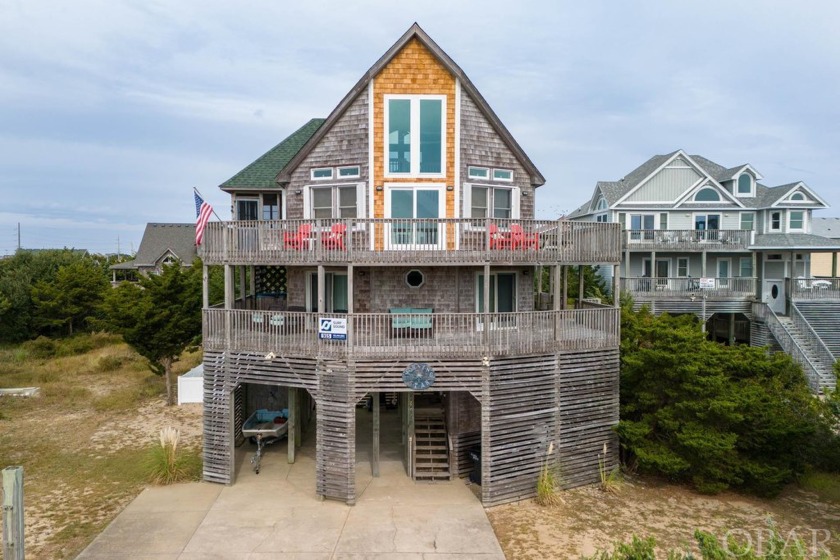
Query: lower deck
pixel 523 412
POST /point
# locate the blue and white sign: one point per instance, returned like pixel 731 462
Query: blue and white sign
pixel 332 328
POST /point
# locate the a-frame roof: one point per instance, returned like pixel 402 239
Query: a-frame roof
pixel 413 32
pixel 262 173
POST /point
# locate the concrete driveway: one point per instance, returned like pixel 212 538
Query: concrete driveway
pixel 276 514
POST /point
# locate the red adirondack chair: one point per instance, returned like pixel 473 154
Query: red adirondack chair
pixel 523 240
pixel 334 239
pixel 300 240
pixel 499 240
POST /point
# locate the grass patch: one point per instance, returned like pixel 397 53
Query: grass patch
pixel 169 463
pixel 824 485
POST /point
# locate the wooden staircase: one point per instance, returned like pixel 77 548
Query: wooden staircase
pixel 431 445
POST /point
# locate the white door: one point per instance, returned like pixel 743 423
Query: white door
pixel 774 295
pixel 723 273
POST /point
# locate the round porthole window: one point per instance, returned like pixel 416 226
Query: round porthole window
pixel 414 278
pixel 774 291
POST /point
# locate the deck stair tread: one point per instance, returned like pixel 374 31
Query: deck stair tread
pixel 431 457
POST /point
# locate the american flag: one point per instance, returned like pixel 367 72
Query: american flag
pixel 202 216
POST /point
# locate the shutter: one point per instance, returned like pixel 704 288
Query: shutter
pixel 307 207
pixel 467 201
pixel 514 203
pixel 361 200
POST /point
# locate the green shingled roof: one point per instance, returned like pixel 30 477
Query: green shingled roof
pixel 262 172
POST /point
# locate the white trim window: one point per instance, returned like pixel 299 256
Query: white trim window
pixel 744 185
pixel 775 221
pixel 683 267
pixel 796 220
pixel 321 173
pixel 745 267
pixel 335 202
pixel 415 135
pixel 248 208
pixel 422 207
pixel 348 172
pixel 748 221
pixel 505 175
pixel 474 172
pixel 486 201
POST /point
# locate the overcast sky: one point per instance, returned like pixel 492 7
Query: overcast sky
pixel 111 111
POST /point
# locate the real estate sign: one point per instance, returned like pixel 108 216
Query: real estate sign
pixel 707 283
pixel 332 328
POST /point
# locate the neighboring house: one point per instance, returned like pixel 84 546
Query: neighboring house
pixel 825 265
pixel 392 248
pixel 162 244
pixel 702 238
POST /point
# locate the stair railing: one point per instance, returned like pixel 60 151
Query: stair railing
pixel 792 348
pixel 824 355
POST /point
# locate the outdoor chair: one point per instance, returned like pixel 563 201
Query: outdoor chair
pixel 300 240
pixel 499 240
pixel 522 240
pixel 334 239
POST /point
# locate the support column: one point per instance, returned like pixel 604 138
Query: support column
pixel 228 286
pixel 374 464
pixel 350 303
pixel 833 265
pixel 703 265
pixel 486 310
pixel 291 429
pixel 252 283
pixel 242 291
pixel 559 297
pixel 322 290
pixel 565 296
pixel 205 287
pixel 581 287
pixel 731 329
pixel 616 285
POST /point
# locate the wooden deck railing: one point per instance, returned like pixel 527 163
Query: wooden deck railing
pixel 397 241
pixel 686 239
pixel 686 287
pixel 412 336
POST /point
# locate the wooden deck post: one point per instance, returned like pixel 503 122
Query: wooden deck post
pixel 703 264
pixel 486 310
pixel 228 286
pixel 252 283
pixel 322 290
pixel 559 297
pixel 13 543
pixel 349 341
pixel 581 287
pixel 205 287
pixel 565 297
pixel 291 429
pixel 375 459
pixel 242 288
pixel 731 328
pixel 616 285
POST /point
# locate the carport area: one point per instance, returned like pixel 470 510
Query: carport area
pixel 278 513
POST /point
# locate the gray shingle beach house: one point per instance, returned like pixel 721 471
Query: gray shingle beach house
pixel 699 237
pixel 390 251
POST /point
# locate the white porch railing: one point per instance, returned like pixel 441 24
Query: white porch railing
pixel 815 288
pixel 686 287
pixel 687 239
pixel 791 348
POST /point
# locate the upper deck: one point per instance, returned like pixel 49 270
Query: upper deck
pixel 690 240
pixel 410 241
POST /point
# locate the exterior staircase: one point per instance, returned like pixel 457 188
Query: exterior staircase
pixel 431 454
pixel 808 350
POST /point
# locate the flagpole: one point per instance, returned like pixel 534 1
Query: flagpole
pixel 211 206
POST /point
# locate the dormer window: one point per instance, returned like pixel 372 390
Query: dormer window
pixel 745 184
pixel 797 197
pixel 707 195
pixel 601 205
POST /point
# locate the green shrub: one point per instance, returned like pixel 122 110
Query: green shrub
pixel 40 348
pixel 107 364
pixel 711 415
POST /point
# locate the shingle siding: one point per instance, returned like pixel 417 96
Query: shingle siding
pixel 482 146
pixel 346 143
